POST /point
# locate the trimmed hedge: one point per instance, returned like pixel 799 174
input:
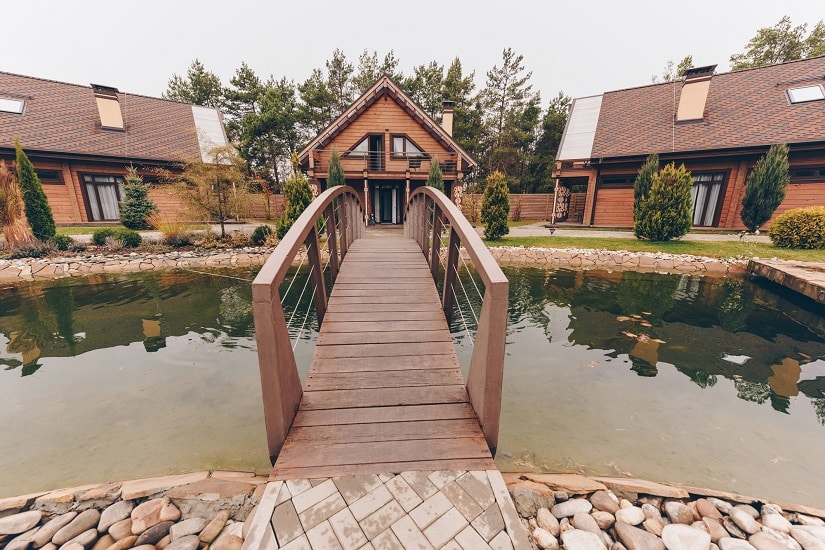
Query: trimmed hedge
pixel 800 228
pixel 129 238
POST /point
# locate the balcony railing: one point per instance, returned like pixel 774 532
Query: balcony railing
pixel 386 161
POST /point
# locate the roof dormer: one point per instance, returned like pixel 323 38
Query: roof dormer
pixel 694 94
pixel 108 107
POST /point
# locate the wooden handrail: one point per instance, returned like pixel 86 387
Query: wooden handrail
pixel 484 381
pixel 280 383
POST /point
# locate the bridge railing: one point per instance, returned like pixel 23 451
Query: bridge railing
pixel 429 213
pixel 338 211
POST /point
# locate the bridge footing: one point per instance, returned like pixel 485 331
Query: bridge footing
pixel 437 509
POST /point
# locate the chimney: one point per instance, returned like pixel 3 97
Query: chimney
pixel 447 109
pixel 694 94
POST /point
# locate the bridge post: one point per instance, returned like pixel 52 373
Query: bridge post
pixel 317 268
pixel 343 212
pixel 448 297
pixel 425 228
pixel 332 242
pixel 435 251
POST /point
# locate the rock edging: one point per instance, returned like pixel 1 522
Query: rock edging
pixel 176 512
pixel 575 512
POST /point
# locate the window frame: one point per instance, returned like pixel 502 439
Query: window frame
pixel 628 181
pixel 43 176
pixel 21 102
pixel 120 180
pixel 405 154
pixel 817 174
pixel 789 92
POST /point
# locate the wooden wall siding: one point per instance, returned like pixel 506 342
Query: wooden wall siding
pixel 614 208
pixel 63 207
pixel 534 206
pixel 386 117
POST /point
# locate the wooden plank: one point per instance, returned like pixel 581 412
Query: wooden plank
pixel 359 308
pixel 419 293
pixel 383 379
pixel 339 325
pixel 280 474
pixel 385 350
pixel 383 397
pixel 398 315
pixel 383 337
pixel 340 417
pixel 387 299
pixel 368 364
pixel 309 454
pixel 386 431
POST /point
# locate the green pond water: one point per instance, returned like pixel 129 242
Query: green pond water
pixel 715 383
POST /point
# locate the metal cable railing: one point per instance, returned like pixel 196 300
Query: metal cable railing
pixel 429 212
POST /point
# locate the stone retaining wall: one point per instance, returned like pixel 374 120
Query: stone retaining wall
pixel 29 269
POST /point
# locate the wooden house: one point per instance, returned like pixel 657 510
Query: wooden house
pixel 387 143
pixel 717 125
pixel 81 139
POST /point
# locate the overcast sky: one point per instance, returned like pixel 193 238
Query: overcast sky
pixel 581 47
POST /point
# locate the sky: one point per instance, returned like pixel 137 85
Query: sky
pixel 582 47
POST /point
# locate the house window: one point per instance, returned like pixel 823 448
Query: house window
pixel 105 194
pixel 403 146
pixel 706 191
pixel 108 107
pixel 617 182
pixel 807 175
pixel 370 148
pixel 14 106
pixel 805 94
pixel 49 177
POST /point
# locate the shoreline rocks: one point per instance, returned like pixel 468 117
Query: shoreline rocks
pixel 630 514
pixel 178 511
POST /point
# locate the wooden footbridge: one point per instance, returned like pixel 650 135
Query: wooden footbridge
pixel 384 392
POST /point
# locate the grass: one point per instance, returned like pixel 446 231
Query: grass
pixel 723 249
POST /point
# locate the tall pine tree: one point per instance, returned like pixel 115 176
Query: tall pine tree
pixel 38 211
pixel 641 187
pixel 335 173
pixel 495 208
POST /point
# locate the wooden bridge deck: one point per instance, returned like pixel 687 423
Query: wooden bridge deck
pixel 384 392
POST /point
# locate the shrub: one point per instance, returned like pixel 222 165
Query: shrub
pixel 335 175
pixel 666 214
pixel 799 228
pixel 33 249
pixel 765 187
pixel 641 187
pixel 129 237
pixel 136 206
pixel 177 240
pixel 435 178
pixel 38 211
pixel 237 239
pixel 495 207
pixel 298 195
pixel 62 242
pixel 260 234
pixel 12 220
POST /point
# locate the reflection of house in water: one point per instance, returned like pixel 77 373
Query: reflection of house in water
pixel 66 318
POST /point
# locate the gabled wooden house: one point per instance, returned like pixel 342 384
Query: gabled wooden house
pixel 718 125
pixel 387 143
pixel 81 139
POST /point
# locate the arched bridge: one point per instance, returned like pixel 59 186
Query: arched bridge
pixel 384 392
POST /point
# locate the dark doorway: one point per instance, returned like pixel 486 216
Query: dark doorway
pixel 376 152
pixel 385 196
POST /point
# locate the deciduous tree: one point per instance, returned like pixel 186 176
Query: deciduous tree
pixel 765 187
pixel 38 211
pixel 780 43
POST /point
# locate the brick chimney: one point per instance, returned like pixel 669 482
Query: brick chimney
pixel 447 109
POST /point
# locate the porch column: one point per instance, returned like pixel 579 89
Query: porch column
pixel 366 200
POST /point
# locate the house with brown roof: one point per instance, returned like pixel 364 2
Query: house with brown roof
pixel 387 143
pixel 81 139
pixel 718 125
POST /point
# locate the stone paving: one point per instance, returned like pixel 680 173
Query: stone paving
pixel 427 510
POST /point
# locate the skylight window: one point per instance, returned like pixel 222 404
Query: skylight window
pixel 14 106
pixel 806 93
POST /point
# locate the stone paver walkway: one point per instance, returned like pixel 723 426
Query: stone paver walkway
pixel 428 510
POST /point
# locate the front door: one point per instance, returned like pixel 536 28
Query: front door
pixel 386 207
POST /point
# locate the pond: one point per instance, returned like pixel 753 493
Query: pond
pixel 716 383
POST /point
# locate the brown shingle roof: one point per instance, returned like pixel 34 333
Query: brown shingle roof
pixel 744 109
pixel 63 118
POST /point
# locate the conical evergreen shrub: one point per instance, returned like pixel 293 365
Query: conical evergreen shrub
pixel 666 214
pixel 765 187
pixel 136 206
pixel 38 211
pixel 495 207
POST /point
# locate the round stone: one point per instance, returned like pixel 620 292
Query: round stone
pixel 544 539
pixel 631 516
pixel 572 507
pixel 677 536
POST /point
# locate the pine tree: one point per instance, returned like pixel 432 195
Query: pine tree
pixel 38 211
pixel 641 187
pixel 136 206
pixel 765 187
pixel 667 212
pixel 495 207
pixel 298 195
pixel 435 179
pixel 335 176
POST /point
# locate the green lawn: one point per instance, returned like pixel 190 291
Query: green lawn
pixel 725 249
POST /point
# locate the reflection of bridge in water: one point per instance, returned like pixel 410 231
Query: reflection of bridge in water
pixel 385 424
